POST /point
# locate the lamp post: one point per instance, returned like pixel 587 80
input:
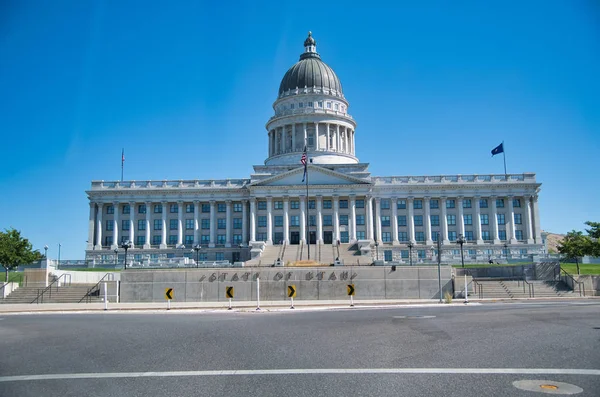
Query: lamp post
pixel 116 251
pixel 197 248
pixel 506 251
pixel 461 241
pixel 377 249
pixel 46 252
pixel 59 245
pixel 126 245
pixel 410 247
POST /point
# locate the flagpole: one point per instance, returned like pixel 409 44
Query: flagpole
pixel 307 209
pixel 122 162
pixel 504 155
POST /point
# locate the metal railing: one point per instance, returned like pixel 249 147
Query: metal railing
pixel 478 289
pixel 95 290
pixel 530 287
pixel 580 284
pixel 48 289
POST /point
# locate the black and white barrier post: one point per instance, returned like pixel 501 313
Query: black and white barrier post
pixel 105 297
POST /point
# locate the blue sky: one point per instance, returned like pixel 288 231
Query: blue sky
pixel 187 87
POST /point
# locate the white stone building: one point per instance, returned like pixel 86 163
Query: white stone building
pixel 240 219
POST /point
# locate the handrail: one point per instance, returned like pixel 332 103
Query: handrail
pixel 478 288
pixel 530 286
pixel 49 288
pixel 88 293
pixel 579 283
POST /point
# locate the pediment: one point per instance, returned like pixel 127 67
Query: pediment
pixel 316 176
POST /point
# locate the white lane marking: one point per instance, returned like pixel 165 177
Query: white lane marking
pixel 301 371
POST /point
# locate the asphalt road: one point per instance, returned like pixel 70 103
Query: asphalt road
pixel 427 351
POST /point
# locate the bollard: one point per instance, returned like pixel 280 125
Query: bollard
pixel 229 304
pixel 105 297
pixel 351 301
pixel 168 304
pixel 292 303
pixel 257 293
pixel 466 290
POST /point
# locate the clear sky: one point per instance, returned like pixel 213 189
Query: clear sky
pixel 186 87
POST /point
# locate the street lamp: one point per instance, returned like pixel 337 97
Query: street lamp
pixel 506 251
pixel 116 251
pixel 126 245
pixel 46 252
pixel 58 266
pixel 197 248
pixel 377 249
pixel 461 241
pixel 410 247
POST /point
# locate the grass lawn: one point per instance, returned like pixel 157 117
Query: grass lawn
pixel 571 268
pixel 92 269
pixel 480 265
pixel 16 277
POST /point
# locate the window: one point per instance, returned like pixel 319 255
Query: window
pixel 385 221
pixel 108 240
pixel 237 239
pixel 401 220
pixel 189 240
pixel 278 205
pixel 312 220
pixel 202 256
pixel 452 236
pixel 206 208
pixel 109 225
pixel 219 256
pixel 310 104
pixel 336 106
pixel 125 225
pixel 502 235
pixel 277 238
pixel 237 223
pixel 386 237
pixel 344 237
pixel 221 207
pixel 485 235
pixel 110 209
pixel 343 219
pixel 450 203
pixel 468 219
pixel 434 236
pixel 523 251
pixel 221 223
pixel 311 140
pixel 156 240
pixel 517 203
pixel 173 208
pixel 220 239
pixel 403 236
pixel 434 204
pixel 262 221
pixel 262 205
pixel 172 239
pixel 261 236
pixel 420 236
pixel 385 204
pixel 142 209
pixel 467 203
pixel 404 254
pixel 327 204
pixel 360 203
pixel 451 220
pixel 484 219
pixel 173 224
pixel 205 239
pixel 469 235
pixel 418 220
pixel 205 224
pixel 141 224
pixel 157 224
pixel 517 219
pixel 278 220
pixel 499 203
pixel 418 204
pixel 401 205
pixel 189 208
pixel 327 220
pixel 360 219
pixel 343 203
pixel 472 252
pixel 311 204
pixel 140 240
pixel 328 105
pixel 291 105
pixel 500 218
pixel 189 224
pixel 519 234
pixel 435 220
pixel 360 235
pixel 294 204
pixel 158 208
pixel 237 207
pixel 295 220
pixel 301 104
pixel 483 203
pixel 126 209
pixel 320 103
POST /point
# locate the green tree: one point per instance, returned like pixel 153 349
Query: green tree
pixel 594 233
pixel 575 245
pixel 15 250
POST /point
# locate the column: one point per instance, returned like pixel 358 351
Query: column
pixel 494 220
pixel 132 222
pixel 411 220
pixel 336 219
pixel 115 243
pixel 245 222
pixel 303 219
pixel 477 220
pixel 286 221
pixel 528 229
pixel 196 222
pixel 91 226
pixel 338 143
pixel 305 135
pixel 269 220
pixel 536 220
pixel 428 239
pixel 148 242
pixel 461 219
pixel 510 222
pixel 353 147
pixel 164 225
pixel 179 222
pixel 378 219
pixel 294 137
pixel 228 224
pixel 252 219
pixel 319 220
pixel 352 219
pixel 213 226
pixel 327 147
pixel 369 217
pixel 317 146
pixel 99 226
pixel 444 221
pixel 394 221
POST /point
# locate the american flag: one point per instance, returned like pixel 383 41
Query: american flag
pixel 303 160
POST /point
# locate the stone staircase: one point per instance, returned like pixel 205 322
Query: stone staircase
pixel 349 255
pixel 267 258
pixel 514 289
pixel 63 294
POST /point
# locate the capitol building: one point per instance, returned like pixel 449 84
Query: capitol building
pixel 348 213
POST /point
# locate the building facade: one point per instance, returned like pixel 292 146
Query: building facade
pixel 238 219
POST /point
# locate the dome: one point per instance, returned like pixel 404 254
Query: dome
pixel 310 71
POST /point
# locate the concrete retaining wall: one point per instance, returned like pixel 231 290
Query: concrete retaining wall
pixel 533 271
pixel 325 283
pixel 591 285
pixel 86 277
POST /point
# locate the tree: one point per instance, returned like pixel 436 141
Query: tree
pixel 575 245
pixel 594 233
pixel 15 250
